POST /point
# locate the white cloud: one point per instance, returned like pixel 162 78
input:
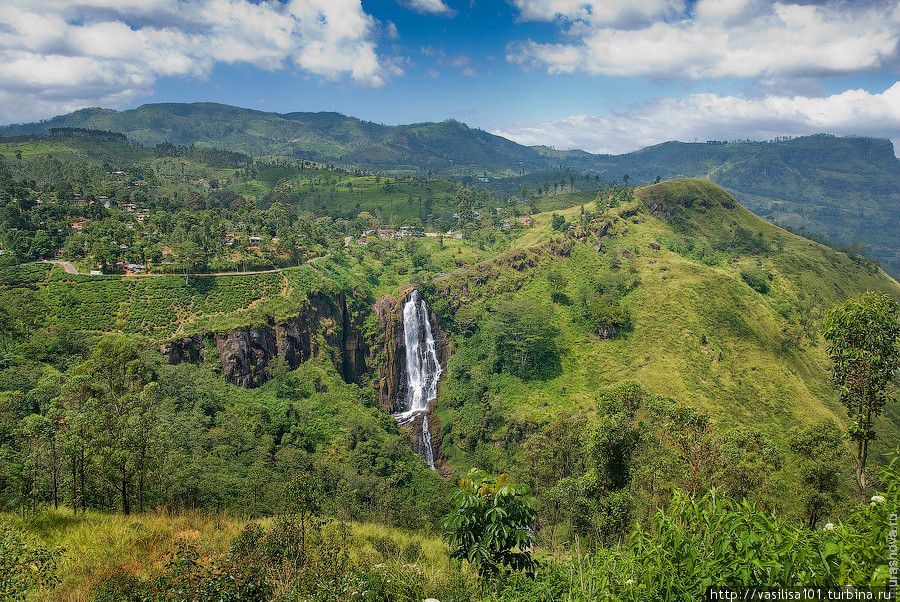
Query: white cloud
pixel 430 7
pixel 715 117
pixel 600 12
pixel 713 39
pixel 58 55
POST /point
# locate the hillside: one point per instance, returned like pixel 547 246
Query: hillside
pixel 846 190
pixel 261 395
pixel 674 272
pixel 324 137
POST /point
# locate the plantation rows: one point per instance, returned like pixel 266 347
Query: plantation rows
pixel 151 306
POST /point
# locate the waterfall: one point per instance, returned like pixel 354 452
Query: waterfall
pixel 423 370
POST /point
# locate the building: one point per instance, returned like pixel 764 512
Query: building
pixel 411 231
pixel 254 241
pixel 526 220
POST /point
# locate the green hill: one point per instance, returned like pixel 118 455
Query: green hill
pixel 325 137
pixel 846 190
pixel 682 265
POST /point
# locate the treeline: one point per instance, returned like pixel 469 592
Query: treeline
pixel 88 134
pixel 108 426
pixel 213 157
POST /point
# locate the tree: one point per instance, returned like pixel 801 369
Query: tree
pixel 190 257
pixel 558 223
pixel 558 283
pixel 491 524
pixel 525 338
pixel 748 458
pixel 820 448
pixel 689 432
pixel 863 339
pixel 611 450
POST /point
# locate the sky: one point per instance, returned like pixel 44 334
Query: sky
pixel 601 75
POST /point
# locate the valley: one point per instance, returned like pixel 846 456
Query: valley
pixel 611 348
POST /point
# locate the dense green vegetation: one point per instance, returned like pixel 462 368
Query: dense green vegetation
pixel 104 203
pixel 845 190
pixel 647 371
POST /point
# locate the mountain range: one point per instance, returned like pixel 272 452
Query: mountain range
pixel 845 190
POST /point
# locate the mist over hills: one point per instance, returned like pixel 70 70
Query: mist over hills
pixel 846 190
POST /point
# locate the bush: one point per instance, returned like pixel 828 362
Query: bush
pixel 757 278
pixel 491 526
pixel 24 565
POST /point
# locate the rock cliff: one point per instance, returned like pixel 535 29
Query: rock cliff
pixel 244 353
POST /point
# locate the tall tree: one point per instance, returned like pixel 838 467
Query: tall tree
pixel 863 340
pixel 820 449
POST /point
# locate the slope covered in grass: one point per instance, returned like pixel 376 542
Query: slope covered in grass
pixel 723 314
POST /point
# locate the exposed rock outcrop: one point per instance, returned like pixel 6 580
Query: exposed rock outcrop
pixel 244 353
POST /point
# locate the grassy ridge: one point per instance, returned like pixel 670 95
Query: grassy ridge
pixel 700 334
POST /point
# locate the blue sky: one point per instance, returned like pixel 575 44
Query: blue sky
pixel 605 75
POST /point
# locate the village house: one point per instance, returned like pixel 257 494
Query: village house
pixel 526 220
pixel 411 231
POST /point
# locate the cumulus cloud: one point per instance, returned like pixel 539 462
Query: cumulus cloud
pixel 58 55
pixel 430 7
pixel 598 12
pixel 712 38
pixel 716 117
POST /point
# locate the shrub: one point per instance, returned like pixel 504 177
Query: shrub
pixel 24 565
pixel 757 278
pixel 491 525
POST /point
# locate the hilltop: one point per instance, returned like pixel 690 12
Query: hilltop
pixel 709 305
pixel 846 190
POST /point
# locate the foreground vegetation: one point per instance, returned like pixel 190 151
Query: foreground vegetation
pixel 691 543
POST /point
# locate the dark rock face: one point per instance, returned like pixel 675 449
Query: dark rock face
pixel 245 353
pixel 607 331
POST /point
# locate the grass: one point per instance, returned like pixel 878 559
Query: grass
pixel 97 544
pixel 700 334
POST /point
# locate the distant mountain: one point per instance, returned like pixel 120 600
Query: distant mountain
pixel 325 137
pixel 846 190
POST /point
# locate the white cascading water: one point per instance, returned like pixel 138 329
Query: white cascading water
pixel 423 369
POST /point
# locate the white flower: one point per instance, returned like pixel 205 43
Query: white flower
pixel 829 526
pixel 629 582
pixel 877 500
